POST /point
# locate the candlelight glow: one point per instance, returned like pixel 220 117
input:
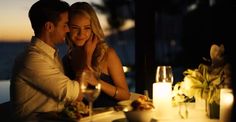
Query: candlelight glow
pixel 226 104
pixel 162 93
pixel 228 98
pixel 161 90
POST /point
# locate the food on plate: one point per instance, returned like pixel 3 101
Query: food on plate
pixel 75 110
pixel 142 103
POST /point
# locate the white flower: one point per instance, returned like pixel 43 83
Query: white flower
pixel 205 81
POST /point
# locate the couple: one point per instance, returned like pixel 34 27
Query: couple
pixel 41 82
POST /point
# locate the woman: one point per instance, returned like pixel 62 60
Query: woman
pixel 87 50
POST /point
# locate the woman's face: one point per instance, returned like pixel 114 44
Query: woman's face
pixel 80 29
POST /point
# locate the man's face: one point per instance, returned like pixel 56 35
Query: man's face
pixel 61 28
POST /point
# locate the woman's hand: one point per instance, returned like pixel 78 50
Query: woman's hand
pixel 91 44
pixel 89 48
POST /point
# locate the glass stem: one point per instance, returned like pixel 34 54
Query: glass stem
pixel 90 110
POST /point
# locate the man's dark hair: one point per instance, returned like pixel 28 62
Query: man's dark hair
pixel 46 10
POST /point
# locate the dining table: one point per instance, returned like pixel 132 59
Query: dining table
pixel 110 114
pixel 190 112
pixel 194 115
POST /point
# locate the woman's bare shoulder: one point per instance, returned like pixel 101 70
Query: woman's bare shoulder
pixel 113 57
pixel 111 51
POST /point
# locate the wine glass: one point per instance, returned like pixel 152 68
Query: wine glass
pixel 164 74
pixel 89 90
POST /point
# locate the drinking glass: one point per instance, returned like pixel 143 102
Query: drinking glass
pixel 164 74
pixel 90 92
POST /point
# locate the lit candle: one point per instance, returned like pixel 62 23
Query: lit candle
pixel 226 104
pixel 162 92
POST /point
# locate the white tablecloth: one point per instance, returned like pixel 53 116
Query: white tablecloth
pixel 194 115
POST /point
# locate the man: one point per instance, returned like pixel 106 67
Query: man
pixel 38 83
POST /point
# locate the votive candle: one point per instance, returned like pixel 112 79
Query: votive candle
pixel 226 104
pixel 162 92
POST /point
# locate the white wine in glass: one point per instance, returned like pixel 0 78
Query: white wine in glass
pixel 90 92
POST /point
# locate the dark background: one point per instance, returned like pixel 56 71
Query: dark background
pixel 166 32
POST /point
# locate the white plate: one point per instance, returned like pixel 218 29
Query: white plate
pixel 125 103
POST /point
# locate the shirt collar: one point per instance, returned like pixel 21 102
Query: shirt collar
pixel 44 47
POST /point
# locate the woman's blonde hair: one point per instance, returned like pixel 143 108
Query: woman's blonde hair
pixel 100 53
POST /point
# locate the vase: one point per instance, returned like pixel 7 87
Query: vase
pixel 213 110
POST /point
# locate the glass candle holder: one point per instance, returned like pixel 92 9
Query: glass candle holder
pixel 226 104
pixel 162 91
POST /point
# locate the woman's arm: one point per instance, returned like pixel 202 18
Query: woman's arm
pixel 119 90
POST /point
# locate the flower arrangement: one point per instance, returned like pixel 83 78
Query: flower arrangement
pixel 205 81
